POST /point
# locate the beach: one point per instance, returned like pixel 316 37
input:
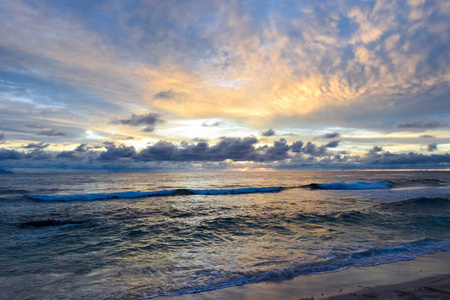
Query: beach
pixel 425 277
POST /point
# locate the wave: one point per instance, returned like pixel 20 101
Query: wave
pixel 360 185
pixel 140 194
pixel 369 257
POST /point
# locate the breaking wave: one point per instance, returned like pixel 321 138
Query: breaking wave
pixel 140 194
pixel 370 257
pixel 361 185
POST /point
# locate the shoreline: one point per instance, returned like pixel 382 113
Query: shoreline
pixel 427 276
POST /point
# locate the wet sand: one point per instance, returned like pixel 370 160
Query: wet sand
pixel 426 277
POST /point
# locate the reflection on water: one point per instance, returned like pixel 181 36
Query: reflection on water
pixel 129 248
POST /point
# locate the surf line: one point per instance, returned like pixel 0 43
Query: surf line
pixel 211 192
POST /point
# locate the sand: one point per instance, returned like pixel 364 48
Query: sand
pixel 426 277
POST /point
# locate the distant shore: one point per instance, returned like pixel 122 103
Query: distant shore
pixel 427 276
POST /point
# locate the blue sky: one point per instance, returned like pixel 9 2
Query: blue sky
pixel 224 85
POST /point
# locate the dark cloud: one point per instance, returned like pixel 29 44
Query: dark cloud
pixel 11 154
pixel 297 147
pixel 421 125
pixel 238 149
pixel 332 144
pixel 148 129
pixel 113 152
pixel 82 148
pixel 279 151
pixel 228 148
pixel 164 95
pixel 40 145
pixel 121 137
pixel 50 132
pixel 331 135
pixel 426 136
pixel 2 136
pixel 150 120
pixel 164 154
pixel 375 150
pixel 77 154
pixel 38 154
pixel 215 124
pixel 70 155
pixel 432 147
pixel 199 140
pixel 314 150
pixel 268 132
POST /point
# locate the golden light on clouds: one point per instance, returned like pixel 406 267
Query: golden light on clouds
pixel 288 82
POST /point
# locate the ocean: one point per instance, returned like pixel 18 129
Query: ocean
pixel 142 235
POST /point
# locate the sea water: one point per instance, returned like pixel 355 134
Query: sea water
pixel 142 235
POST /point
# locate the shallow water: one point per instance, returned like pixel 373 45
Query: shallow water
pixel 61 243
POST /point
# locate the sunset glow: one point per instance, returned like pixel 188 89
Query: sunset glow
pixel 366 84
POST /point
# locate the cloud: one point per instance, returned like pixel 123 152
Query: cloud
pixel 51 132
pixel 426 136
pixel 279 151
pixel 421 125
pixel 149 120
pixel 113 152
pixel 165 95
pixel 165 155
pixel 11 154
pixel 81 152
pixel 332 144
pixel 268 132
pixel 297 146
pixel 38 155
pixel 406 159
pixel 228 148
pixel 313 150
pixel 83 148
pixel 200 140
pixel 68 155
pixel 346 64
pixel 40 145
pixel 215 124
pixel 331 135
pixel 2 136
pixel 432 147
pixel 375 150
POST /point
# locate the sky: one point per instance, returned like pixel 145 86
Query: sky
pixel 224 85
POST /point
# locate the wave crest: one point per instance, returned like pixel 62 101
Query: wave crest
pixel 140 194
